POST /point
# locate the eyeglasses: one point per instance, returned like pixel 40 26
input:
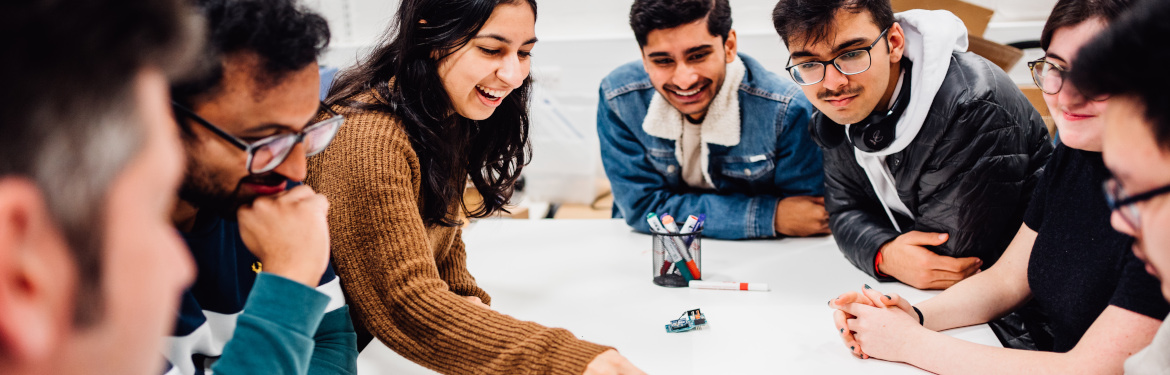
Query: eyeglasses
pixel 268 153
pixel 1119 200
pixel 1050 77
pixel 849 63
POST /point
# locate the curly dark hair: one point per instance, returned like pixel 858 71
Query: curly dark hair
pixel 1103 66
pixel 70 112
pixel 650 15
pixel 492 151
pixel 811 21
pixel 285 36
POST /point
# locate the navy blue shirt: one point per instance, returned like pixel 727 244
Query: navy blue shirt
pixel 209 309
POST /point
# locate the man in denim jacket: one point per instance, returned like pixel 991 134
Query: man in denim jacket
pixel 695 128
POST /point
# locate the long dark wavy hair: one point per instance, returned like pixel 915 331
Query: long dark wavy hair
pixel 449 146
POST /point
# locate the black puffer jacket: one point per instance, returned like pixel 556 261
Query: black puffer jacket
pixel 969 172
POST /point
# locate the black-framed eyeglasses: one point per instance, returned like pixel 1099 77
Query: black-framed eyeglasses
pixel 268 153
pixel 1050 77
pixel 1119 200
pixel 849 63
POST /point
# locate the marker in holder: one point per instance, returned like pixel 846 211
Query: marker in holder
pixel 668 269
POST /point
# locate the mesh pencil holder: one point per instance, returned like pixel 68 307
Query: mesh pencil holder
pixel 677 258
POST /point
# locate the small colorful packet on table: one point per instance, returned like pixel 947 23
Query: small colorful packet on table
pixel 687 321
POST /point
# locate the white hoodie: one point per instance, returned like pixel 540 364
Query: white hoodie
pixel 931 37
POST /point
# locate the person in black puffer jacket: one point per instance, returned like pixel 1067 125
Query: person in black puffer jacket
pixel 1096 302
pixel 929 181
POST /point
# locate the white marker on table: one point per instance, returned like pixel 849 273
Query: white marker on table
pixel 728 285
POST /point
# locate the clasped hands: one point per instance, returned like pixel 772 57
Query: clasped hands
pixel 876 325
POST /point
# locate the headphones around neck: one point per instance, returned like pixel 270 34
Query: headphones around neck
pixel 876 132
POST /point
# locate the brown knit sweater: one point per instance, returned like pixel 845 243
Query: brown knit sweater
pixel 405 280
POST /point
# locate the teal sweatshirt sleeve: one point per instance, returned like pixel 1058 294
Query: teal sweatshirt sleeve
pixel 275 332
pixel 336 350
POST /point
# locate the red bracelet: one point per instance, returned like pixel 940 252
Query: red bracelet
pixel 878 260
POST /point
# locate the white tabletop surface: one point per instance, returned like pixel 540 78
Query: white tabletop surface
pixel 593 277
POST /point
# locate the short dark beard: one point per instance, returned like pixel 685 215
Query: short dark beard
pixel 199 189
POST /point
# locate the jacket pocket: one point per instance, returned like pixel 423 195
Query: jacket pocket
pixel 747 168
pixel 663 161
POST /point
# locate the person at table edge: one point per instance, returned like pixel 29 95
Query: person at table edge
pixel 695 128
pixel 931 153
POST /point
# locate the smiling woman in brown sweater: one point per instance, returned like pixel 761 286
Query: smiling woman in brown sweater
pixel 446 96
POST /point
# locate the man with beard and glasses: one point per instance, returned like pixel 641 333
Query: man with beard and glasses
pixel 695 128
pixel 931 152
pixel 265 299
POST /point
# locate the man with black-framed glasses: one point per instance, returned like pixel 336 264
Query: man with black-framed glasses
pixel 266 299
pixel 270 152
pixel 931 153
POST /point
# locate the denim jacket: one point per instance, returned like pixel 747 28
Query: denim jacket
pixel 773 159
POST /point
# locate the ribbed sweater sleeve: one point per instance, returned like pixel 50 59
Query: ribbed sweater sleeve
pixel 400 291
pixel 453 269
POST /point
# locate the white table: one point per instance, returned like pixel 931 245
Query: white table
pixel 594 278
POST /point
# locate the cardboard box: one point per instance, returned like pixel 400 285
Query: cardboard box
pixel 472 200
pixel 581 211
pixel 601 208
pixel 975 17
pixel 1004 56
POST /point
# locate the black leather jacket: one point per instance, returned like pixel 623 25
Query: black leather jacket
pixel 969 172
